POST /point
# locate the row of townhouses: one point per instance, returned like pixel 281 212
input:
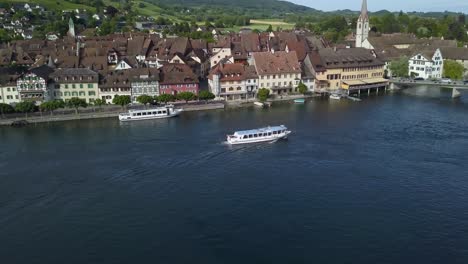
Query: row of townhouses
pixel 45 83
pixel 234 67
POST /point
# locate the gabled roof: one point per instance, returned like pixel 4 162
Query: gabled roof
pixel 43 71
pixel 229 72
pixel 199 44
pixel 177 74
pixel 73 72
pixel 345 58
pixel 278 62
pixel 300 47
pixel 453 53
pixel 98 63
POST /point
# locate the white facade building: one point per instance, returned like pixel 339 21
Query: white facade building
pixel 220 54
pixel 427 65
pixel 9 94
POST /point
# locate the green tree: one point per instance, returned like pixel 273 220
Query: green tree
pixel 166 98
pixel 6 109
pixel 108 27
pixel 99 103
pixel 25 107
pixel 206 95
pixel 50 106
pixel 122 100
pixel 263 94
pixel 302 88
pixel 269 29
pixel 76 103
pixel 453 70
pixel 399 67
pixel 59 103
pixel 145 99
pixel 186 96
pixel 4 36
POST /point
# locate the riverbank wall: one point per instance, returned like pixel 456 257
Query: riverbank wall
pixel 112 113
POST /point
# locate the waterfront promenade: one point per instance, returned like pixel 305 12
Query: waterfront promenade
pixel 95 113
pixel 111 111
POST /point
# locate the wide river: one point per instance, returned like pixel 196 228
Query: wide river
pixel 384 180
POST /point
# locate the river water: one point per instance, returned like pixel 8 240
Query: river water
pixel 384 180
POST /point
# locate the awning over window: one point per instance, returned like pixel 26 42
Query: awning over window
pixel 364 84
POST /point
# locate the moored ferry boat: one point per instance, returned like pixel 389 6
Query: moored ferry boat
pixel 335 96
pixel 153 113
pixel 265 134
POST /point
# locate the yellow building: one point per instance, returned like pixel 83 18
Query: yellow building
pixel 352 69
pixel 76 82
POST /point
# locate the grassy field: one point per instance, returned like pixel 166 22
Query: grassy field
pixel 272 22
pixel 152 11
pixel 263 25
pixel 58 5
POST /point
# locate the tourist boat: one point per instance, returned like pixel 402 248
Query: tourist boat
pixel 335 96
pixel 153 113
pixel 259 104
pixel 266 134
pixel 299 101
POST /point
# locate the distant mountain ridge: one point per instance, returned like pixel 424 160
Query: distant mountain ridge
pixel 280 6
pixel 277 5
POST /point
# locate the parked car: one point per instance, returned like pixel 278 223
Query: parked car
pixel 445 80
pixel 419 79
pixel 465 82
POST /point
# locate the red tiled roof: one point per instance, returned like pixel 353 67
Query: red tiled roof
pixel 278 62
pixel 177 74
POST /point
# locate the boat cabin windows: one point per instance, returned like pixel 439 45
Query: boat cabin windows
pixel 250 136
pixel 144 113
pixel 274 133
pixel 269 133
pixel 155 113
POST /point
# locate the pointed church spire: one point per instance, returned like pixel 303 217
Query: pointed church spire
pixel 51 63
pixel 362 26
pixel 71 28
pixel 364 9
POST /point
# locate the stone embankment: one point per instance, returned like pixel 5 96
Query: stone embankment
pixel 94 113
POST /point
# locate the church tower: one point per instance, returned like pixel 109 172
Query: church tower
pixel 362 26
pixel 71 28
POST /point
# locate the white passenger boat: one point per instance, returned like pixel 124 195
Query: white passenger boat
pixel 153 113
pixel 265 134
pixel 335 96
pixel 259 104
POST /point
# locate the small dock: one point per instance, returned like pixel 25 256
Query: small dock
pixel 355 99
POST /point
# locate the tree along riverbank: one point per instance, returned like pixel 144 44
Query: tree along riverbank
pixel 94 113
pixel 112 111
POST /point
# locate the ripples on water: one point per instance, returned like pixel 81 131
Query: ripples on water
pixel 380 181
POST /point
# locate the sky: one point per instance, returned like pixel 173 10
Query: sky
pixel 393 5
